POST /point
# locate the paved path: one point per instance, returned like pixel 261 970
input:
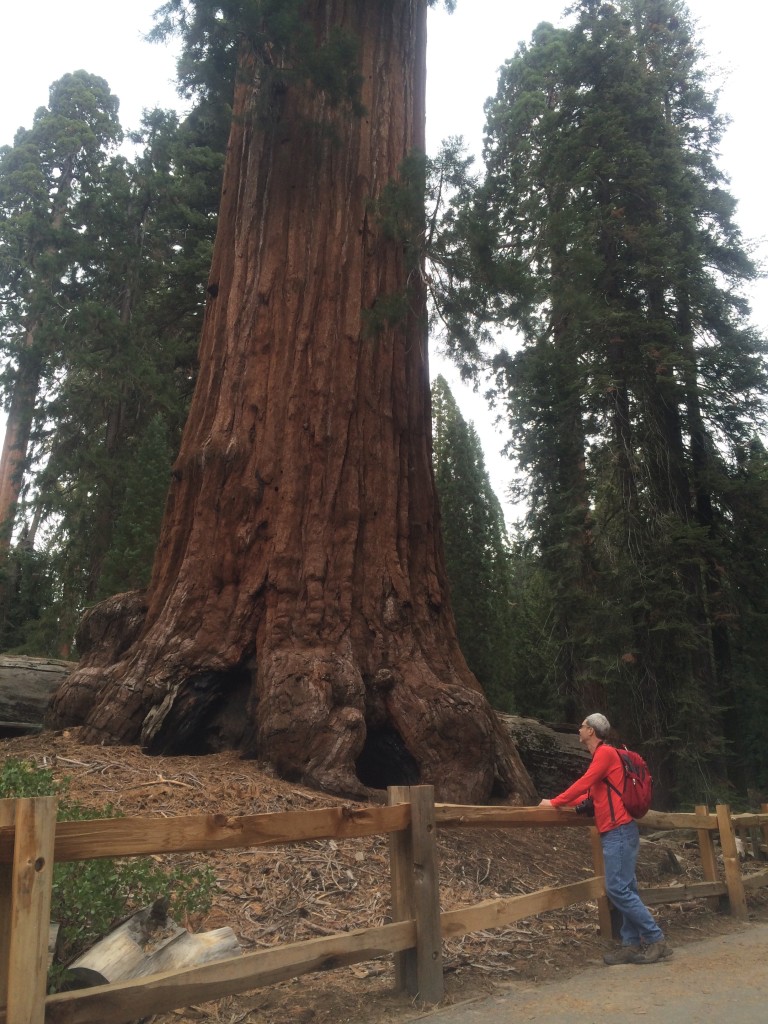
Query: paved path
pixel 722 980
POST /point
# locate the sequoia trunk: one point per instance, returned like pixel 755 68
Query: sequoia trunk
pixel 300 566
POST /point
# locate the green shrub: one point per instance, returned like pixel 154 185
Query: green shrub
pixel 90 897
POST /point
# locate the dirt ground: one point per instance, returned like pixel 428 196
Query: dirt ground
pixel 286 894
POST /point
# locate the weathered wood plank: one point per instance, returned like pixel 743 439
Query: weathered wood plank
pixel 426 892
pixel 653 894
pixel 470 815
pixel 747 820
pixel 123 837
pixel 736 898
pixel 7 818
pixel 401 882
pixel 500 912
pixel 756 880
pixel 172 990
pixel 604 921
pixel 707 853
pixel 664 820
pixel 35 824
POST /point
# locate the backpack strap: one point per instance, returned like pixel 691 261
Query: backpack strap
pixel 610 786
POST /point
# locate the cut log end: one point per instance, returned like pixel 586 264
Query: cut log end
pixel 149 942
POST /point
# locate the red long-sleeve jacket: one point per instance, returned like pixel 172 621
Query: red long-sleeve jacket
pixel 606 764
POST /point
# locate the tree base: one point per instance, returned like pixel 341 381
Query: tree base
pixel 307 711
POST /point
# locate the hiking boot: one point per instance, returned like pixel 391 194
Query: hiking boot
pixel 651 953
pixel 622 955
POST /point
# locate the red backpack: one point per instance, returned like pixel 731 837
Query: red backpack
pixel 638 784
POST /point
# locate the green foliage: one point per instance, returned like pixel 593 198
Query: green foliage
pixel 476 549
pixel 270 39
pixel 90 897
pixel 533 678
pixel 145 480
pixel 603 234
pixel 399 210
pixel 387 311
pixel 27 581
pixel 25 780
pixel 399 215
pixel 100 337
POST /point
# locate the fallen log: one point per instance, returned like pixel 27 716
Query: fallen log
pixel 553 759
pixel 26 687
pixel 149 942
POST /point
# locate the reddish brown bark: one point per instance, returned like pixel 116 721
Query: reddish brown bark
pixel 300 551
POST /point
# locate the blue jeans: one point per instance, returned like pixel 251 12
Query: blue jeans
pixel 620 848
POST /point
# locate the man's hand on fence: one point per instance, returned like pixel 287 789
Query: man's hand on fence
pixel 545 803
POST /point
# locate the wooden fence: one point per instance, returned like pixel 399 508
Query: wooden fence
pixel 31 841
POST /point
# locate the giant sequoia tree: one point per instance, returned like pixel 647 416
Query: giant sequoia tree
pixel 299 575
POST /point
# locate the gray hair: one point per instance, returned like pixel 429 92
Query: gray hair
pixel 599 723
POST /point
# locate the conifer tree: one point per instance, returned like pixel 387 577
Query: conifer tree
pixel 746 582
pixel 148 236
pixel 43 176
pixel 476 548
pixel 132 256
pixel 606 236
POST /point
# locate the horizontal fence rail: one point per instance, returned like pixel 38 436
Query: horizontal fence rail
pixel 471 816
pixel 159 993
pixel 31 840
pixel 125 837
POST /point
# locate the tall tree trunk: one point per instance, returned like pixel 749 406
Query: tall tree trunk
pixel 13 461
pixel 18 431
pixel 569 556
pixel 300 549
pixel 21 414
pixel 717 615
pixel 115 418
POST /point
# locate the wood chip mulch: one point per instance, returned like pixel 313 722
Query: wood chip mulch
pixel 276 895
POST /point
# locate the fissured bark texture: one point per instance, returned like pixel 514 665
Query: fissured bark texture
pixel 301 543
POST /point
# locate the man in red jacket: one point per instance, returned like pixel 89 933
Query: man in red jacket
pixel 642 941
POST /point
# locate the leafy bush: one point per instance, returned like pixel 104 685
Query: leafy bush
pixel 90 897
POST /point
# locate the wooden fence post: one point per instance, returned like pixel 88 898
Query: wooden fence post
pixel 756 843
pixel 401 876
pixel 736 899
pixel 7 817
pixel 708 855
pixel 416 895
pixel 429 943
pixel 604 917
pixel 764 846
pixel 32 878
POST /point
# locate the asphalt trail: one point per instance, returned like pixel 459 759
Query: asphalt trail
pixel 722 979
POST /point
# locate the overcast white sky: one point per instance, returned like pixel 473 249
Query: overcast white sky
pixel 45 39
